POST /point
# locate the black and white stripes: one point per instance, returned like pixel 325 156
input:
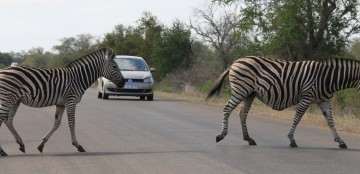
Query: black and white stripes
pixel 281 84
pixel 62 87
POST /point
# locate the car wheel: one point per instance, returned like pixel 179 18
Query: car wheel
pixel 142 97
pixel 150 97
pixel 99 95
pixel 105 96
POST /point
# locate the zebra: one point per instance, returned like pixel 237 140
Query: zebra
pixel 63 87
pixel 281 84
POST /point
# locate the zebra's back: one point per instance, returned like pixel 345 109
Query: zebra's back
pixel 33 86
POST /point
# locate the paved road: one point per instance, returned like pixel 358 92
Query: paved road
pixel 165 136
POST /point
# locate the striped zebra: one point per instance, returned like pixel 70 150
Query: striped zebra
pixel 62 87
pixel 281 84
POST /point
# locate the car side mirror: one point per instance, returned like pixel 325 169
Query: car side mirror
pixel 152 69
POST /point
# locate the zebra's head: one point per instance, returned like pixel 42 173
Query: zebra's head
pixel 111 70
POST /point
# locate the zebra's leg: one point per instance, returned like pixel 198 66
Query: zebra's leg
pixel 326 110
pixel 2 152
pixel 9 124
pixel 70 108
pixel 243 116
pixel 58 115
pixel 229 107
pixel 300 111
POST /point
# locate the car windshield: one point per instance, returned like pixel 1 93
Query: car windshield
pixel 130 64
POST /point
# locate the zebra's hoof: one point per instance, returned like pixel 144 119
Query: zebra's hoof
pixel 40 148
pixel 252 143
pixel 343 146
pixel 219 138
pixel 22 148
pixel 2 153
pixel 293 144
pixel 81 149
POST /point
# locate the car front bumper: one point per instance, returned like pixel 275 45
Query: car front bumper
pixel 129 89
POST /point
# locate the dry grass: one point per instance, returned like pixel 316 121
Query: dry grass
pixel 313 117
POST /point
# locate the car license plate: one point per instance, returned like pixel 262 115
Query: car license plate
pixel 131 86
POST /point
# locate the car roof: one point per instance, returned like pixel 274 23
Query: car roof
pixel 127 56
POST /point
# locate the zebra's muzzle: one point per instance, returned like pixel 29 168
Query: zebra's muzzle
pixel 121 83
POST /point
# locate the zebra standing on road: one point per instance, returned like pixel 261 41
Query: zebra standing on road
pixel 281 84
pixel 62 87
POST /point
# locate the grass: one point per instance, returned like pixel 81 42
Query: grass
pixel 312 117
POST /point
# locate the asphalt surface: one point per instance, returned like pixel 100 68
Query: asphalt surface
pixel 125 135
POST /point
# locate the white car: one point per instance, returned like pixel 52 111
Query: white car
pixel 14 64
pixel 138 79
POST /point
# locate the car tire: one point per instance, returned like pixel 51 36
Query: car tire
pixel 105 96
pixel 142 97
pixel 150 97
pixel 99 95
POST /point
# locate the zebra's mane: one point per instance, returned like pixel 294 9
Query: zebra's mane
pixel 92 55
pixel 336 59
pixel 323 60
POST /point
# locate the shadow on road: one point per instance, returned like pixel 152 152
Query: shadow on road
pixel 90 154
pixel 138 100
pixel 285 148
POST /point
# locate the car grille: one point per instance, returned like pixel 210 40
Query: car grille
pixel 129 90
pixel 135 80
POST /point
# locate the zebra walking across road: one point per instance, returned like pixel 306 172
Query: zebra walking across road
pixel 281 84
pixel 62 87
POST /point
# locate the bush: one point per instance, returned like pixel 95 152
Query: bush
pixel 347 102
pixel 206 87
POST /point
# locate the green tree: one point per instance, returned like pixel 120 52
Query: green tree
pixel 5 60
pixel 300 29
pixel 355 49
pixel 151 29
pixel 124 40
pixel 172 50
pixel 82 43
pixel 37 57
pixel 72 48
pixel 139 40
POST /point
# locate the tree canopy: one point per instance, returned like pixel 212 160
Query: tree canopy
pixel 300 29
pixel 5 59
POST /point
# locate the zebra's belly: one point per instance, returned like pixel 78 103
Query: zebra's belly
pixel 279 104
pixel 41 102
pixel 283 103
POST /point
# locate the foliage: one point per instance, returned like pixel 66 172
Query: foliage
pixel 81 44
pixel 172 50
pixel 36 57
pixel 346 102
pixel 206 87
pixel 220 29
pixel 137 41
pixel 124 40
pixel 300 29
pixel 5 60
pixel 354 49
pixel 151 29
pixel 164 48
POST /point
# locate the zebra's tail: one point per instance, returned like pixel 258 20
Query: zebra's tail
pixel 218 84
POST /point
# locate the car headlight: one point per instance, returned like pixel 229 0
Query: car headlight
pixel 148 80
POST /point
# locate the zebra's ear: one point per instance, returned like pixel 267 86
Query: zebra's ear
pixel 110 54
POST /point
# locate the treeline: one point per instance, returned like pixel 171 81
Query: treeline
pixel 164 48
pixel 189 55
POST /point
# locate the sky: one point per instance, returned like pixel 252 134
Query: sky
pixel 25 24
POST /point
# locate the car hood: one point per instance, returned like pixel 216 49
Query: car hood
pixel 136 74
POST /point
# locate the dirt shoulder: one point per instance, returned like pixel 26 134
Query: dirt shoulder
pixel 312 117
